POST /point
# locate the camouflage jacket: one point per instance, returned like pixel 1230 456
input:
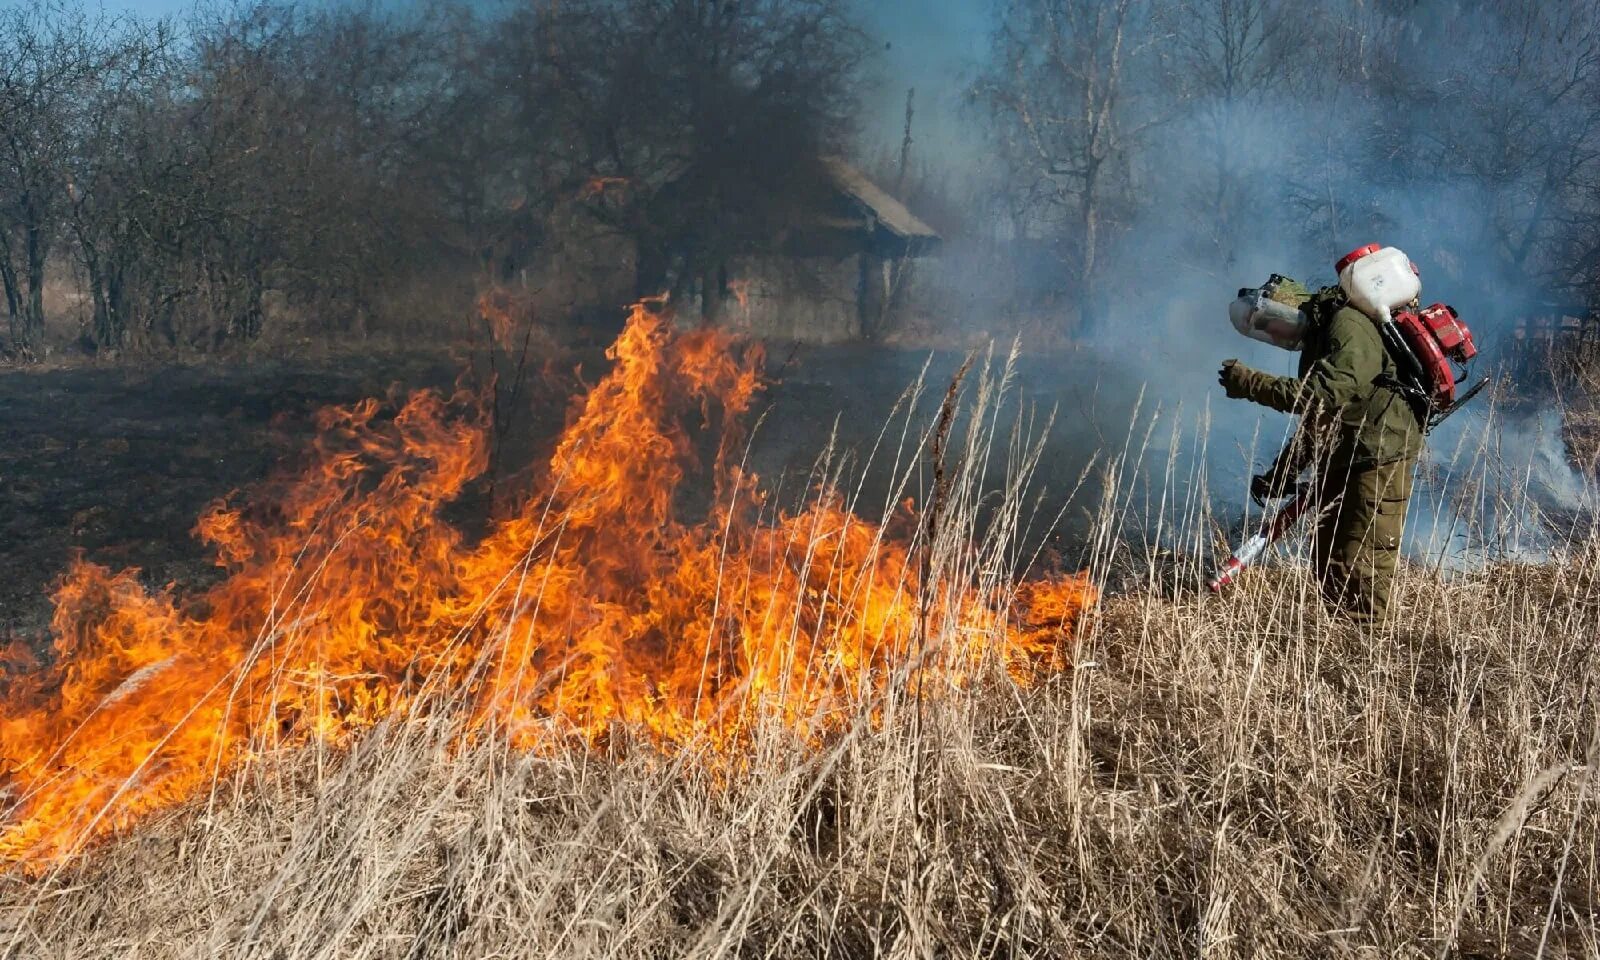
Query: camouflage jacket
pixel 1344 410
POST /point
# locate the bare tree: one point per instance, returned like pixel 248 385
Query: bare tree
pixel 120 174
pixel 1488 125
pixel 1071 104
pixel 323 157
pixel 1231 65
pixel 49 62
pixel 1537 98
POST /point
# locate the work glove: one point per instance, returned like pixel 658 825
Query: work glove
pixel 1267 486
pixel 1236 379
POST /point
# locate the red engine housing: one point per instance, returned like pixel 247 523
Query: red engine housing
pixel 1437 336
pixel 1453 336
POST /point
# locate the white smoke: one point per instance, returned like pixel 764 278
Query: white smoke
pixel 1499 485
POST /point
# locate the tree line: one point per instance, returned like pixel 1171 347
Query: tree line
pixel 184 169
pixel 189 173
pixel 1209 134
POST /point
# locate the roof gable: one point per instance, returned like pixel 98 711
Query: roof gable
pixel 890 213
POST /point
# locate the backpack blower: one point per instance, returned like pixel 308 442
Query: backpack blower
pixel 1424 343
pixel 1431 349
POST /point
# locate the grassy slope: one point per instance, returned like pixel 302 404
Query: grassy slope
pixel 1216 778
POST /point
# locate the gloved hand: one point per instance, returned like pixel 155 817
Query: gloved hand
pixel 1266 486
pixel 1235 378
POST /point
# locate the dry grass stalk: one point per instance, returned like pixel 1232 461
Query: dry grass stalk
pixel 1242 777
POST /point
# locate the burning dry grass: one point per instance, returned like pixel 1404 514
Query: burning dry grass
pixel 350 600
pixel 1235 779
pixel 1179 776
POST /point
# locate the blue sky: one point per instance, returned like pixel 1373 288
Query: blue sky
pixel 933 46
pixel 149 8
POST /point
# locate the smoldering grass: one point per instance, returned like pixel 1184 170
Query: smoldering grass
pixel 1235 776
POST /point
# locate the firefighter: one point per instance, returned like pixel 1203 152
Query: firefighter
pixel 1357 434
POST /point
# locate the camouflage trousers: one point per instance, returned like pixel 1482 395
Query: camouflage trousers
pixel 1362 511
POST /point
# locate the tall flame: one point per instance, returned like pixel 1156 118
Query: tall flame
pixel 348 599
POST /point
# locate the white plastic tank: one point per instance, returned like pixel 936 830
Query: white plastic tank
pixel 1259 317
pixel 1378 280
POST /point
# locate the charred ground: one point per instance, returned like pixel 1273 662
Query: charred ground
pixel 118 462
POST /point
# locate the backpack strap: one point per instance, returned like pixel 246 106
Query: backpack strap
pixel 1390 379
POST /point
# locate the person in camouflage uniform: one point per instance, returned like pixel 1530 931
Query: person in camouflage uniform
pixel 1359 436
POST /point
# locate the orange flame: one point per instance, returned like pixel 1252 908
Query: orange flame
pixel 499 313
pixel 599 186
pixel 740 288
pixel 348 599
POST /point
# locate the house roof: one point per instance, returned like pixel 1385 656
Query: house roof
pixel 891 214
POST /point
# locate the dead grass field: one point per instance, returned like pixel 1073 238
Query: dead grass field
pixel 1234 777
pixel 1223 779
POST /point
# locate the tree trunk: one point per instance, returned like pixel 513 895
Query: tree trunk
pixel 107 324
pixel 33 312
pixel 116 305
pixel 1090 308
pixel 8 279
pixel 251 321
pixel 711 284
pixel 905 146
